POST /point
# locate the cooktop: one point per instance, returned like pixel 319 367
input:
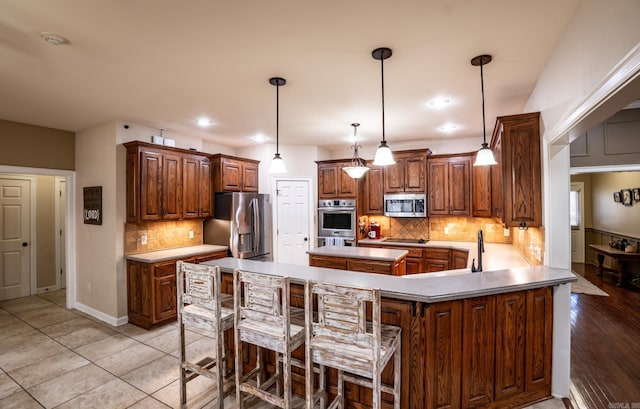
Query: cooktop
pixel 401 240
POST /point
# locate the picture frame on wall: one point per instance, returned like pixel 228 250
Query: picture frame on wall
pixel 636 194
pixel 617 197
pixel 626 197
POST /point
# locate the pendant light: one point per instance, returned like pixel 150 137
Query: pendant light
pixel 277 164
pixel 357 167
pixel 383 156
pixel 485 155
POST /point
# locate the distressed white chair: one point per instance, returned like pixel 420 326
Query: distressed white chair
pixel 340 337
pixel 200 306
pixel 263 318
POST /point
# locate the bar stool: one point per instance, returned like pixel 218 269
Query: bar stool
pixel 200 306
pixel 263 319
pixel 341 338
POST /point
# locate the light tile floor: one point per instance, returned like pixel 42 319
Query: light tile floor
pixel 52 357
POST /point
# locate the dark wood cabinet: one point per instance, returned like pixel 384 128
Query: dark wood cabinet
pixel 371 201
pixel 408 174
pixel 481 191
pixel 449 185
pixel 436 259
pixel 397 267
pixel 516 145
pixel 151 289
pixel 510 343
pixel 197 198
pixel 166 183
pixel 538 341
pixel 428 259
pixel 233 174
pixel 478 345
pixel 333 182
pixel 458 258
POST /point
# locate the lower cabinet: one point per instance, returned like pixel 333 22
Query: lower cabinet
pixel 151 289
pixel 427 259
pixel 397 267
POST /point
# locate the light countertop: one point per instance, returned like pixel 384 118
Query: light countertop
pixel 426 289
pixel 496 256
pixel 366 253
pixel 162 255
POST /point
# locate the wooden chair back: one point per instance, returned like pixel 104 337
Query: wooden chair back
pixel 199 285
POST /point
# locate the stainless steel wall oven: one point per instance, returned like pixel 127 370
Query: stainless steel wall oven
pixel 337 218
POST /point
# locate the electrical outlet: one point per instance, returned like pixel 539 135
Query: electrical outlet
pixel 143 239
pixel 191 234
pixel 505 232
pixel 446 230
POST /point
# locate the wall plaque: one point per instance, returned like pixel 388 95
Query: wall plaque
pixel 92 205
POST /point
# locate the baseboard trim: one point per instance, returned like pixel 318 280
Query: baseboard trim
pixel 101 315
pixel 42 290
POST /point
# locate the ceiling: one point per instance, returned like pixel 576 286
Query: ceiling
pixel 165 63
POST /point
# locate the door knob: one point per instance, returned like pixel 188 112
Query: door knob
pixel 305 239
pixel 25 244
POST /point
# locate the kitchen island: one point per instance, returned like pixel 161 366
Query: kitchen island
pixel 468 339
pixel 367 260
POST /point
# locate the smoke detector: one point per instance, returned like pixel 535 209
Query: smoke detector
pixel 53 38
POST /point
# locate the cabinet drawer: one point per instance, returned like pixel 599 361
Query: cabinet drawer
pixel 328 262
pixel 441 254
pixel 370 266
pixel 211 256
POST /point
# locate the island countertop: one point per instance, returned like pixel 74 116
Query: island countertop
pixel 365 253
pixel 428 289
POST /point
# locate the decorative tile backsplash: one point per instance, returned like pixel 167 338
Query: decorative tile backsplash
pixel 161 235
pixel 530 243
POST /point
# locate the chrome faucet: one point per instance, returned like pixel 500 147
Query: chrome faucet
pixel 475 269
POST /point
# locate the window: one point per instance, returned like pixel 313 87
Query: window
pixel 574 209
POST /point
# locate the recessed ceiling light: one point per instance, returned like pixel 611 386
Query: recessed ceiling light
pixel 448 127
pixel 204 122
pixel 439 102
pixel 259 137
pixel 53 38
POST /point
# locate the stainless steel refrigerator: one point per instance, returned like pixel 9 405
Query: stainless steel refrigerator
pixel 241 221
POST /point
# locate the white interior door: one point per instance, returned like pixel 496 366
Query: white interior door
pixel 293 216
pixel 61 239
pixel 576 204
pixel 15 200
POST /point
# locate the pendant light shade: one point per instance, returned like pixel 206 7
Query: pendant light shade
pixel 358 166
pixel 485 155
pixel 383 156
pixel 277 164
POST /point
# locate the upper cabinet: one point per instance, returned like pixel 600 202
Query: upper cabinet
pixel 449 185
pixel 157 188
pixel 371 196
pixel 409 172
pixel 232 174
pixel 481 190
pixel 333 182
pixel 516 180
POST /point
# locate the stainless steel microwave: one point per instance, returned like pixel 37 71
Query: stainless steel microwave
pixel 405 205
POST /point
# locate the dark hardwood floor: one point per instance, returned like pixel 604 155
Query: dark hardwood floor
pixel 605 344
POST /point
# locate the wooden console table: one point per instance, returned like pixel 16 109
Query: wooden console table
pixel 620 256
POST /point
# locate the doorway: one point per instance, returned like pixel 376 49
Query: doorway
pixel 15 236
pixel 294 223
pixel 576 213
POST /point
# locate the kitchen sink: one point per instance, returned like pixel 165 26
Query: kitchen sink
pixel 401 240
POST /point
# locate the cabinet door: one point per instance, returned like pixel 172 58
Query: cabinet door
pixel 171 186
pixel 151 180
pixel 523 193
pixel 205 194
pixel 478 327
pixel 436 260
pixel 164 290
pixel 373 192
pixel 459 259
pixel 460 187
pixel 414 174
pixel 443 343
pixel 190 187
pixel 438 187
pixel 481 190
pixel 327 181
pixel 394 177
pixel 347 186
pixel 250 177
pixel 139 292
pixel 231 175
pixel 415 265
pixel 510 344
pixel 497 193
pixel 538 340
